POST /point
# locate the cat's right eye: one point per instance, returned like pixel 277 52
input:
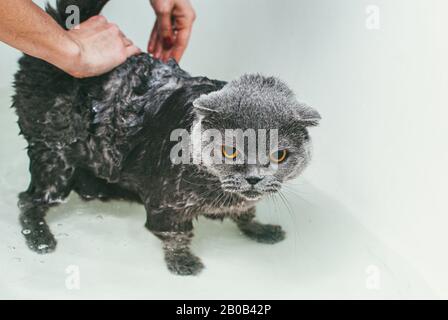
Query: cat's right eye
pixel 229 152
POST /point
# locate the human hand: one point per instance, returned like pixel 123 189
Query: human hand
pixel 172 29
pixel 99 46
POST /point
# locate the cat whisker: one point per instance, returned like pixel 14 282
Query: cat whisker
pixel 208 192
pixel 195 184
pixel 295 193
pixel 293 220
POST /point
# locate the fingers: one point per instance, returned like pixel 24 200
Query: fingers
pixel 166 55
pixel 128 46
pixel 153 39
pixel 173 27
pixel 126 41
pixel 155 45
pixel 165 29
pixel 182 38
pixel 102 47
pixel 158 49
pixel 132 50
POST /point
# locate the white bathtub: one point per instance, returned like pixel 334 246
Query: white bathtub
pixel 367 220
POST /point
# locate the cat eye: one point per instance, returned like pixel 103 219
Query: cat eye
pixel 278 156
pixel 229 152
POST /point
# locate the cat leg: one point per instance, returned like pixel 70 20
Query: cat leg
pixel 176 234
pixel 34 227
pixel 49 186
pixel 263 233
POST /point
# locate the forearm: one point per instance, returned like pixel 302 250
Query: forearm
pixel 26 27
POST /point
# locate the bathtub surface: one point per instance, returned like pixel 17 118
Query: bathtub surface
pixel 104 251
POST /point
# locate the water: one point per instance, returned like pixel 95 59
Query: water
pixel 105 252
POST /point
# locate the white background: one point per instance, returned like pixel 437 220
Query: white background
pixel 380 166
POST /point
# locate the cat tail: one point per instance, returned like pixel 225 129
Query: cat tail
pixel 63 12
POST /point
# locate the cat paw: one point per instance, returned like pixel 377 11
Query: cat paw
pixel 183 263
pixel 40 240
pixel 263 233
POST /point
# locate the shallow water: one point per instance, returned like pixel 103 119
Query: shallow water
pixel 327 253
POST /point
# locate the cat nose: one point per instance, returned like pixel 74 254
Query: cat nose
pixel 253 180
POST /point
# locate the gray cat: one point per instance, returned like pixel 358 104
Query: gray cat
pixel 110 137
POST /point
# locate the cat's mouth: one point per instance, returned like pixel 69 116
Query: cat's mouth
pixel 252 195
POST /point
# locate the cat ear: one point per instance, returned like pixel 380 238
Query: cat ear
pixel 203 106
pixel 202 110
pixel 308 116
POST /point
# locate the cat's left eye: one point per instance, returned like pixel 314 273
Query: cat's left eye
pixel 279 156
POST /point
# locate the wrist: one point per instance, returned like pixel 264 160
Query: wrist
pixel 67 56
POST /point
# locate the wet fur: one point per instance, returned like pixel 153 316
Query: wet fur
pixel 109 138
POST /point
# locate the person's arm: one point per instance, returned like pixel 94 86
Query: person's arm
pixel 95 48
pixel 172 29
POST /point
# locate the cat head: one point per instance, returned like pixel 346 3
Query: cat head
pixel 264 107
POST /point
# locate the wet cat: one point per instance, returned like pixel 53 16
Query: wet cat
pixel 110 137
